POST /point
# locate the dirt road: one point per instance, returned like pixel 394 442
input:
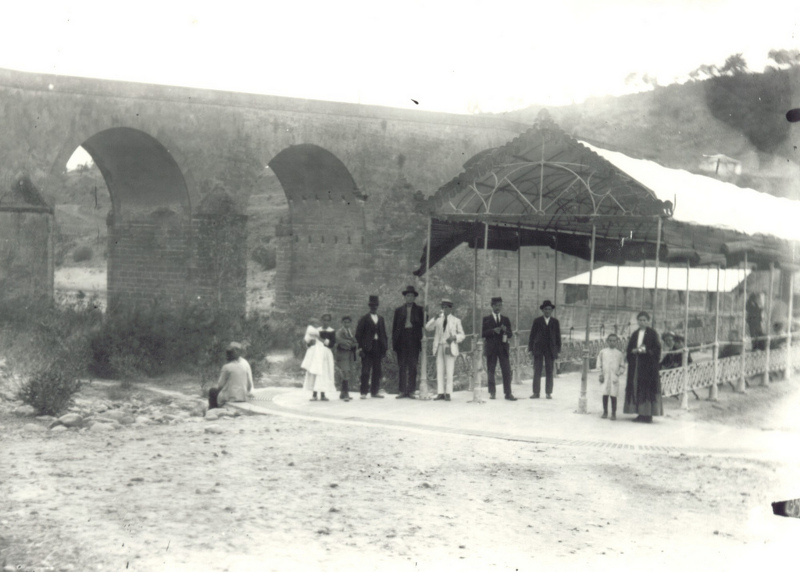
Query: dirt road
pixel 270 493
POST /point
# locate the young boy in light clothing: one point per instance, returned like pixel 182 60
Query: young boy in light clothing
pixel 611 363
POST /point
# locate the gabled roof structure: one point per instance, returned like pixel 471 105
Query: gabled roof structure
pixel 546 188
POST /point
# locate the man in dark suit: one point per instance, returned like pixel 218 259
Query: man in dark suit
pixel 496 331
pixel 372 346
pixel 544 344
pixel 407 341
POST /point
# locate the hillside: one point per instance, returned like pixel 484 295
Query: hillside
pixel 741 116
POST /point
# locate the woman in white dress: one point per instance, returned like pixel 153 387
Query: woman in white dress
pixel 318 365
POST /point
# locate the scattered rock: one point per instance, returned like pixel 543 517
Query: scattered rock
pixel 58 429
pixel 103 427
pixel 126 420
pixel 71 420
pixel 216 429
pixel 25 411
pixel 33 428
pixel 212 414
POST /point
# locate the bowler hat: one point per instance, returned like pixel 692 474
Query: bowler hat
pixel 447 302
pixel 547 303
pixel 373 300
pixel 496 300
pixel 410 290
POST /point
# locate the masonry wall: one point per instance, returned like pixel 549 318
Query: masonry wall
pixel 26 254
pixel 149 261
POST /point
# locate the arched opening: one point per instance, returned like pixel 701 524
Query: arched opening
pixel 141 226
pixel 321 240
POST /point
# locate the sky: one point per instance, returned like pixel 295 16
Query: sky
pixel 453 56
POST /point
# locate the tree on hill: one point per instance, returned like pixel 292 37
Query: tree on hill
pixel 787 58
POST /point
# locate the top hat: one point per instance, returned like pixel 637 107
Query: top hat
pixel 547 303
pixel 410 290
pixel 373 300
pixel 496 299
pixel 447 302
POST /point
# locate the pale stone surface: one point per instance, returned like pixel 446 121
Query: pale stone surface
pixel 71 420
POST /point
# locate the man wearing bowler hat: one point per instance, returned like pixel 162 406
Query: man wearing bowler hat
pixel 544 344
pixel 496 331
pixel 407 341
pixel 372 346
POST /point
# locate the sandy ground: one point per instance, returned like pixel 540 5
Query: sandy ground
pixel 275 493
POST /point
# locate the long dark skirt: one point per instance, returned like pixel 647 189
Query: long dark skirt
pixel 643 392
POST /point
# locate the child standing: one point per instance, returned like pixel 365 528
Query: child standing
pixel 611 363
pixel 318 364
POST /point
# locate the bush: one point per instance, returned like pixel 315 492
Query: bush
pixel 50 390
pixel 265 256
pixel 82 253
pixel 151 340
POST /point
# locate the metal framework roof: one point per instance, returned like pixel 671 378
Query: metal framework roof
pixel 546 188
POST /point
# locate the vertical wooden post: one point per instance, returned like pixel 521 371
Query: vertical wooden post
pixel 616 301
pixel 423 376
pixel 765 379
pixel 714 392
pixel 655 291
pixel 478 359
pixel 742 380
pixel 789 366
pixel 555 281
pixel 685 355
pixel 644 282
pixel 666 302
pixel 585 369
pixel 518 369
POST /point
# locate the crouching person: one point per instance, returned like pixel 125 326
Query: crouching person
pixel 235 380
pixel 448 334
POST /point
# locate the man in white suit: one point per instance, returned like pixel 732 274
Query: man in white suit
pixel 448 334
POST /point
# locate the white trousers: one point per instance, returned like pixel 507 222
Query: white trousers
pixel 445 365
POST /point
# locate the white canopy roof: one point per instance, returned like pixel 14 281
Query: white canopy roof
pixel 705 201
pixel 700 279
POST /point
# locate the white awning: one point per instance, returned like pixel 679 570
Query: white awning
pixel 706 201
pixel 700 279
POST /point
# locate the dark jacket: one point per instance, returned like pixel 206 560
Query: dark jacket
pixel 399 324
pixel 345 347
pixel 494 342
pixel 365 335
pixel 545 338
pixel 645 366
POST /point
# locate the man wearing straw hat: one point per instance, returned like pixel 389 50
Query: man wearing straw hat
pixel 544 344
pixel 448 334
pixel 496 330
pixel 407 342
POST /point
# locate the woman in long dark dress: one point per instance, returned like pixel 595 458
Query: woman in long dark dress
pixel 643 390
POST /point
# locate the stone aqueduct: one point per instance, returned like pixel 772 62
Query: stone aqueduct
pixel 160 150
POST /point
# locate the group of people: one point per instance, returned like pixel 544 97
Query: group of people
pixel 329 350
pixel 332 350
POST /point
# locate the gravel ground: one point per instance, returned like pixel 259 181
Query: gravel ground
pixel 273 493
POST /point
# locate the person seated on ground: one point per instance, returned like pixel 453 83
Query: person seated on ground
pixel 732 348
pixel 318 364
pixel 670 360
pixel 235 380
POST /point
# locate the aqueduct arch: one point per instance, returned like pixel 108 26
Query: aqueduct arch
pixel 150 225
pixel 325 232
